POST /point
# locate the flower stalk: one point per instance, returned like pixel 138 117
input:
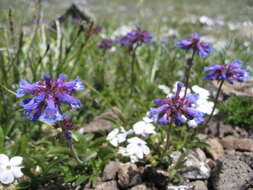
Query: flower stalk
pixel 215 102
pixel 74 153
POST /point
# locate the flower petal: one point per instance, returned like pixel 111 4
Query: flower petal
pixel 4 159
pixel 16 171
pixel 16 161
pixel 6 177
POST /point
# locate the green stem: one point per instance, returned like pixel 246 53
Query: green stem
pixel 133 76
pixel 168 140
pixel 215 103
pixel 73 151
pixel 188 72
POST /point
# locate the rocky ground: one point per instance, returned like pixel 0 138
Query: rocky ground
pixel 227 164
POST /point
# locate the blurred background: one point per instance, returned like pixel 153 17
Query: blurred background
pixel 161 17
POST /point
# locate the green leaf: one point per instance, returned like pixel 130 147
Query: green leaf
pixel 89 155
pixel 88 137
pixel 23 185
pixel 81 179
pixel 69 178
pixel 59 151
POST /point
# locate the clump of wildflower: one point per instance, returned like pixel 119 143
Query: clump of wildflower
pixel 117 136
pixel 136 149
pixel 204 105
pixel 10 169
pixel 105 44
pixel 193 43
pixel 135 37
pixel 144 127
pixel 176 109
pixel 229 72
pixel 96 29
pixel 65 126
pixel 48 95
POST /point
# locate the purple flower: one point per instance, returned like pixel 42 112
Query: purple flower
pixel 193 43
pixel 176 109
pixel 135 37
pixel 66 125
pixel 164 42
pixel 48 95
pixel 105 44
pixel 96 29
pixel 229 72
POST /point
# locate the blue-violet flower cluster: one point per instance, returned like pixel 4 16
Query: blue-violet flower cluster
pixel 105 44
pixel 193 43
pixel 136 36
pixel 48 95
pixel 229 72
pixel 66 125
pixel 176 109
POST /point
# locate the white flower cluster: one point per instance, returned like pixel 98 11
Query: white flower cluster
pixel 136 148
pixel 203 103
pixel 10 170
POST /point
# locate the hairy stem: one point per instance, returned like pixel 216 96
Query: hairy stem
pixel 133 76
pixel 215 103
pixel 73 151
pixel 168 140
pixel 188 72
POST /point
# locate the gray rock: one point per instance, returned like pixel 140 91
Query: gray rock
pixel 144 187
pixel 129 175
pixel 156 176
pixel 237 89
pixel 215 148
pixel 110 170
pixel 181 187
pixel 195 168
pixel 231 142
pixel 199 185
pixel 231 174
pixel 77 11
pixel 110 185
pixel 101 122
pixel 53 187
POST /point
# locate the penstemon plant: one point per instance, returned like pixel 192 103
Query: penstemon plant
pixel 131 42
pixel 180 109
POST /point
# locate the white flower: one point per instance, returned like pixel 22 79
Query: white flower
pixel 117 136
pixel 203 93
pixel 192 123
pixel 123 151
pixel 137 149
pixel 165 89
pixel 121 31
pixel 147 119
pixel 143 128
pixel 10 169
pixel 204 105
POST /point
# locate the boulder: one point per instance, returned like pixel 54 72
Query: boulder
pixel 129 175
pixel 199 185
pixel 181 187
pixel 144 187
pixel 241 144
pixel 110 185
pixel 101 122
pixel 156 176
pixel 110 170
pixel 215 148
pixel 231 173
